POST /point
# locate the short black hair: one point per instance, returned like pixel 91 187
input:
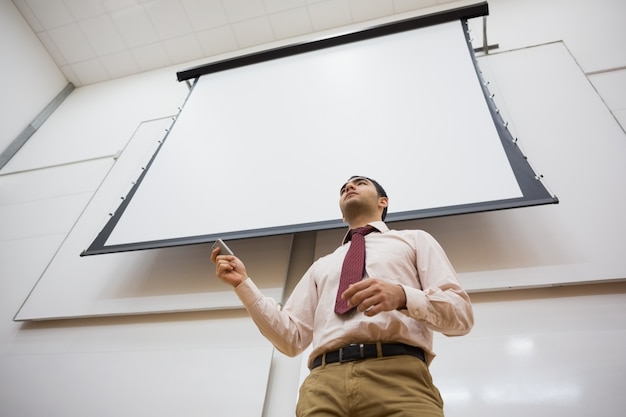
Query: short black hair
pixel 379 190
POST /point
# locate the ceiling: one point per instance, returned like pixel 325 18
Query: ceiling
pixel 97 40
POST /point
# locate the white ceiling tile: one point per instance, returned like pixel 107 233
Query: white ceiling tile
pixel 112 5
pixel 253 32
pixel 291 23
pixel 238 10
pixel 205 14
pixel 330 14
pixel 50 13
pixel 85 9
pixel 408 5
pixel 120 64
pixel 52 49
pixel 134 26
pixel 118 37
pixel 168 17
pixel 151 56
pixel 71 43
pixel 363 10
pixel 90 72
pixel 28 15
pixel 183 49
pixel 273 6
pixel 102 35
pixel 217 41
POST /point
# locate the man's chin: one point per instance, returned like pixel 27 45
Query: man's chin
pixel 351 208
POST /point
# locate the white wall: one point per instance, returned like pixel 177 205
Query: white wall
pixel 591 30
pixel 30 79
pixel 550 350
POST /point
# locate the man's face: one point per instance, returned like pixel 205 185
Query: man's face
pixel 358 196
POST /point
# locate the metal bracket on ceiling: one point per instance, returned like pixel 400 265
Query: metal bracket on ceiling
pixel 486 47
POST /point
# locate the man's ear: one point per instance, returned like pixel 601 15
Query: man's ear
pixel 383 202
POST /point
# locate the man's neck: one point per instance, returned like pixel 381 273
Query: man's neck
pixel 360 222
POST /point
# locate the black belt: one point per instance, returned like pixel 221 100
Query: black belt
pixel 358 351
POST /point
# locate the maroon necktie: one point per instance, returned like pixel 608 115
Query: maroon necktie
pixel 353 265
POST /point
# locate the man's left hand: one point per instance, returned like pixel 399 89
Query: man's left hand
pixel 373 295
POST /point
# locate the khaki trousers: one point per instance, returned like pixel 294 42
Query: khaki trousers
pixel 393 386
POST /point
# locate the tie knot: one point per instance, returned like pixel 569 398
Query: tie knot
pixel 360 231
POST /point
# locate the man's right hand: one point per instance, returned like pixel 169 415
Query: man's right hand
pixel 228 268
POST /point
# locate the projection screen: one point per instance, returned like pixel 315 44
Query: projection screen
pixel 265 141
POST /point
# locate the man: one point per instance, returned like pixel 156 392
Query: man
pixel 372 360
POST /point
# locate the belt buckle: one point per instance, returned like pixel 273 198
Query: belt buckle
pixel 352 352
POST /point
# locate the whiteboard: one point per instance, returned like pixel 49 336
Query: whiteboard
pixel 164 280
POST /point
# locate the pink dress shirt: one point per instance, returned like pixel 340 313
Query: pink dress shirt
pixel 410 258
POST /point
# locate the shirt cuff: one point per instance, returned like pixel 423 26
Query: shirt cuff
pixel 416 302
pixel 248 292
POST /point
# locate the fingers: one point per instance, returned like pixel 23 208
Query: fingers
pixel 218 259
pixel 214 254
pixel 353 289
pixel 372 296
pixel 372 306
pixel 228 268
pixel 223 265
pixel 357 293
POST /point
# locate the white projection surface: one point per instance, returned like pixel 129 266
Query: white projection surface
pixel 263 149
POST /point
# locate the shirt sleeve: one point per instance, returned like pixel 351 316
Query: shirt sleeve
pixel 287 328
pixel 441 303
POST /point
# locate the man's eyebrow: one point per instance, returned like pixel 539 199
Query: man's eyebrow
pixel 343 187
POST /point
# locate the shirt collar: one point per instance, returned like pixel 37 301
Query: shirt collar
pixel 378 225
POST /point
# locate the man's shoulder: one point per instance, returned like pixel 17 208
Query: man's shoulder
pixel 408 232
pixel 418 237
pixel 330 255
pixel 384 229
